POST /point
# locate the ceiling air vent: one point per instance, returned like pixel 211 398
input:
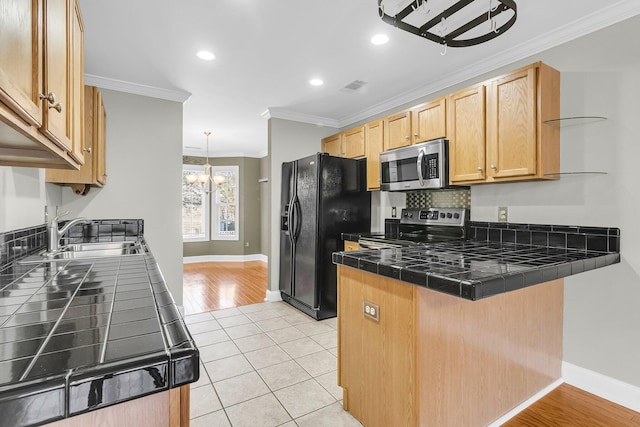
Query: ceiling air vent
pixel 353 86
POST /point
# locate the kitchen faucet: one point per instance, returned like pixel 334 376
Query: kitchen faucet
pixel 54 234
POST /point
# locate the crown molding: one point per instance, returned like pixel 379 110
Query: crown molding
pixel 281 113
pixel 136 88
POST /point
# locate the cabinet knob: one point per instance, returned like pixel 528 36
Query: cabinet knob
pixel 415 134
pixel 406 137
pixel 51 97
pixel 57 107
pixel 493 167
pixel 479 169
pixel 88 150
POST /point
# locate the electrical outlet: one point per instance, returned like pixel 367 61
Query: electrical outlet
pixel 371 310
pixel 503 214
pixel 394 212
pixel 246 244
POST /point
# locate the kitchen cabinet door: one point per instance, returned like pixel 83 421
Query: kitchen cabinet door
pixel 466 133
pixel 511 125
pixel 398 130
pixel 350 246
pixel 354 142
pixel 374 143
pixel 57 56
pixel 93 171
pixel 77 84
pixel 429 120
pixel 333 145
pixel 21 59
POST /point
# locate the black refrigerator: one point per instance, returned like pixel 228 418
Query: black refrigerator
pixel 322 197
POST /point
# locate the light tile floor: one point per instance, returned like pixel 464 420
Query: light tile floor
pixel 266 365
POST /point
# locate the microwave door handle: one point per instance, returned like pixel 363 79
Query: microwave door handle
pixel 419 167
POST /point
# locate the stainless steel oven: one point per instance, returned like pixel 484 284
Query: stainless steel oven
pixel 420 166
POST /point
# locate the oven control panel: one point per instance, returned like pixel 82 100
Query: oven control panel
pixel 435 216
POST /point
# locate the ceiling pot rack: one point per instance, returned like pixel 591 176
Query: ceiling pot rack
pixel 437 22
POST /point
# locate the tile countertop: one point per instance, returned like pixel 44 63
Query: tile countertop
pixel 500 257
pixel 79 335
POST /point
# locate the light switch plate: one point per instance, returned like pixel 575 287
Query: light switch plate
pixel 371 310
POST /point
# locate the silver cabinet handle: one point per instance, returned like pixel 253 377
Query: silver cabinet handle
pixel 415 134
pixel 88 150
pixel 51 97
pixel 406 137
pixel 57 107
pixel 493 167
pixel 479 169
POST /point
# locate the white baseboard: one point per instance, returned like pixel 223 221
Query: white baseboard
pixel 273 296
pixel 603 386
pixel 524 405
pixel 224 258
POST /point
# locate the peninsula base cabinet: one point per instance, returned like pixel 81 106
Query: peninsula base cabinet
pixel 432 359
pixel 165 409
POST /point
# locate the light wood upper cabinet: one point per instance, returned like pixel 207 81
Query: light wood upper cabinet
pixel 397 130
pixel 517 145
pixel 511 125
pixel 429 120
pixel 41 72
pixel 21 58
pixel 333 145
pixel 57 42
pixel 77 86
pixel 466 133
pixel 93 172
pixel 374 132
pixel 350 246
pixel 354 142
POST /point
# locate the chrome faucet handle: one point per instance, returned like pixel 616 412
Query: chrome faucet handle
pixel 55 220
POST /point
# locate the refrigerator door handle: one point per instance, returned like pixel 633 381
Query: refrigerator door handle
pixel 297 222
pixel 290 218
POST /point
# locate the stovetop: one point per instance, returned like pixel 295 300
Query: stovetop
pixel 418 226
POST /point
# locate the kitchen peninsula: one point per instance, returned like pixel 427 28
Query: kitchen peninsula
pixel 458 333
pixel 84 333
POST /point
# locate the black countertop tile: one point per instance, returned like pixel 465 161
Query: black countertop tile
pixel 79 335
pixel 473 269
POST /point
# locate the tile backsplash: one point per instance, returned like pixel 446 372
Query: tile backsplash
pixel 18 243
pixel 602 239
pixel 447 198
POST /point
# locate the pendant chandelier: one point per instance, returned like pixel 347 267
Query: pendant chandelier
pixel 206 179
pixel 446 22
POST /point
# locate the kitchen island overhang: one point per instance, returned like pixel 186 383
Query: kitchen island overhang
pixel 470 334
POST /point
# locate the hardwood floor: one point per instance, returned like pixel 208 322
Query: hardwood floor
pixel 570 406
pixel 215 285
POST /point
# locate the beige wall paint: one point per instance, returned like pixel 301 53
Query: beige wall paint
pixel 265 199
pixel 144 149
pixel 249 214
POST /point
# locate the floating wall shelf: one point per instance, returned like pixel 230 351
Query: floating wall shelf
pixel 574 121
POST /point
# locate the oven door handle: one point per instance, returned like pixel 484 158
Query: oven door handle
pixel 419 167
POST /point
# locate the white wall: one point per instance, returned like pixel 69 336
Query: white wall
pixel 23 197
pixel 602 310
pixel 288 141
pixel 144 165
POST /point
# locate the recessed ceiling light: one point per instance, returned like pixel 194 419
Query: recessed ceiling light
pixel 379 39
pixel 316 82
pixel 206 55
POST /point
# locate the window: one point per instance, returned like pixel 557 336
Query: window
pixel 195 207
pixel 225 205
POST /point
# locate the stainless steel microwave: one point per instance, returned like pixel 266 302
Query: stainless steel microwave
pixel 421 166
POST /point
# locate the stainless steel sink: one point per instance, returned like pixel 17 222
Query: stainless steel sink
pixel 90 250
